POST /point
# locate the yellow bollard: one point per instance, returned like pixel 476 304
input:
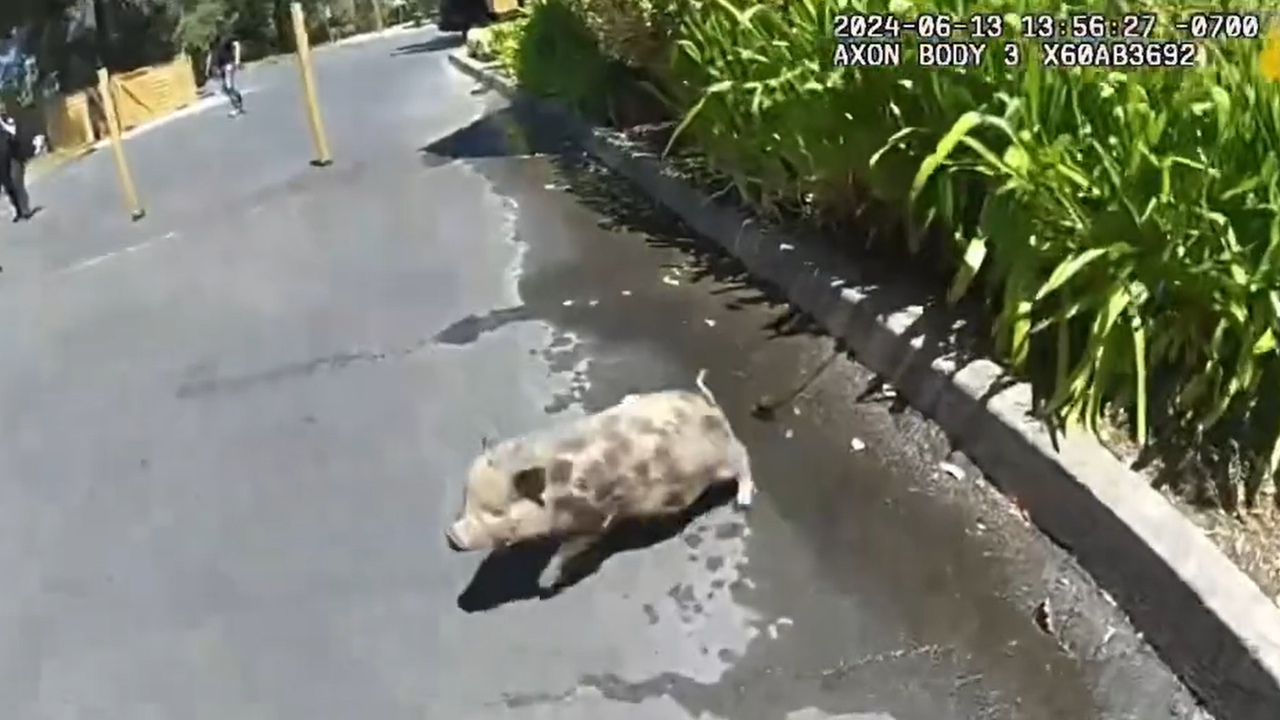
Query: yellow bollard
pixel 136 210
pixel 303 48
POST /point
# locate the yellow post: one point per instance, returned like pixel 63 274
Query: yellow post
pixel 136 210
pixel 303 48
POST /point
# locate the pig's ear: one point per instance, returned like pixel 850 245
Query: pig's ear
pixel 530 483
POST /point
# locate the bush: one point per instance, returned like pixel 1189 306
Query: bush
pixel 1123 226
pixel 552 52
pixel 639 33
pixel 497 43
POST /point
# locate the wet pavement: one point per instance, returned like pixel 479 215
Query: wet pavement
pixel 233 435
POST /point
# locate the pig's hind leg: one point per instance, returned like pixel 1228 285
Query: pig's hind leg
pixel 740 470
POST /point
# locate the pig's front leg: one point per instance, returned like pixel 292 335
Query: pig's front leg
pixel 558 572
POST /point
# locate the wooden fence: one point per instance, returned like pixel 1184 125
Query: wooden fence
pixel 76 120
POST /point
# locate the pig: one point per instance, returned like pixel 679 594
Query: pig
pixel 650 455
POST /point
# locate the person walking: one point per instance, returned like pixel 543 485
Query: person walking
pixel 17 146
pixel 224 57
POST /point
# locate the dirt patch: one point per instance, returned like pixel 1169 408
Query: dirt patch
pixel 1249 536
pixel 1251 540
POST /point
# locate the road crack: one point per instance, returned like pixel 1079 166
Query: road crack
pixel 203 387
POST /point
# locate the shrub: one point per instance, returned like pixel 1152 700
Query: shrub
pixel 638 33
pixel 551 51
pixel 497 43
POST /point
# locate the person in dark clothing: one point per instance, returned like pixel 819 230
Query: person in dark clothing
pixel 224 58
pixel 17 146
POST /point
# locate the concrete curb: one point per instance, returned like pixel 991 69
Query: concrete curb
pixel 1202 615
pixel 389 31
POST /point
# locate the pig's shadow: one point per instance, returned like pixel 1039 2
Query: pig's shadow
pixel 511 574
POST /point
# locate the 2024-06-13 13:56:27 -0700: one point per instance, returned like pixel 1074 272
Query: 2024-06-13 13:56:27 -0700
pixel 1081 40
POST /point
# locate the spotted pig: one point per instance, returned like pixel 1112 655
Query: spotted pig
pixel 650 455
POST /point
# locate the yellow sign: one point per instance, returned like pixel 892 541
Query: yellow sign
pixel 1269 58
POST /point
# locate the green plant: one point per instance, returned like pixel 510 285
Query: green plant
pixel 1157 226
pixel 498 43
pixel 198 24
pixel 638 33
pixel 553 53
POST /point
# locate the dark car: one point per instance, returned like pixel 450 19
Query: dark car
pixel 462 15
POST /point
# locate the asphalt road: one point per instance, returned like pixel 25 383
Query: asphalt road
pixel 233 434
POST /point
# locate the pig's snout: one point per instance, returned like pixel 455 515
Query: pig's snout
pixel 452 541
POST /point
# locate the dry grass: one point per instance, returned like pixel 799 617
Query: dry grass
pixel 1250 537
pixel 1252 541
